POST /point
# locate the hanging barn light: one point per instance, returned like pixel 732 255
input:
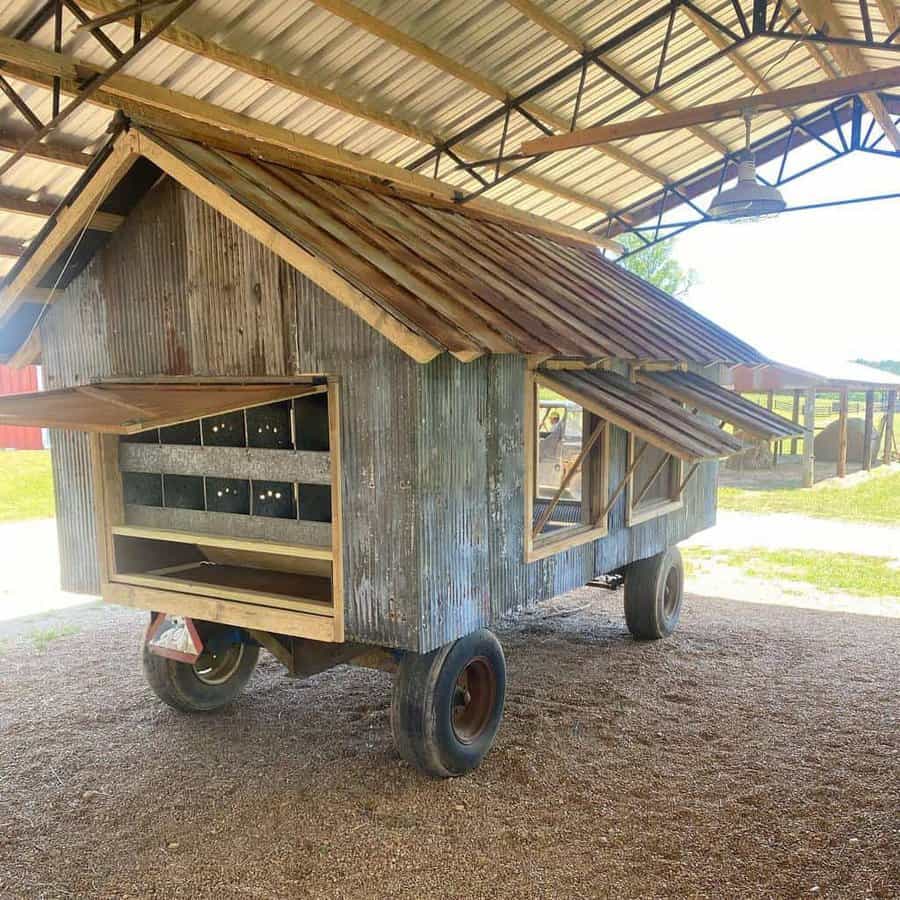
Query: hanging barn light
pixel 749 198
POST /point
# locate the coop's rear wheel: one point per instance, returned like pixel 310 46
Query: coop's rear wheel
pixel 448 704
pixel 654 593
pixel 209 684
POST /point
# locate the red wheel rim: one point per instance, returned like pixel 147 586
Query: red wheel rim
pixel 474 698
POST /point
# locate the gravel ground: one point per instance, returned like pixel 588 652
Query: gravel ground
pixel 754 754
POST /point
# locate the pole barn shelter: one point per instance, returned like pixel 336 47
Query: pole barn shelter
pixel 336 367
pixel 839 378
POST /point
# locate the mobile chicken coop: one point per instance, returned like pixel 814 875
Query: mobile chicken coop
pixel 308 412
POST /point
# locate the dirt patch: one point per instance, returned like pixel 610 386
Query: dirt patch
pixel 756 753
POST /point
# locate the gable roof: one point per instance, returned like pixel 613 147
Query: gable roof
pixel 429 275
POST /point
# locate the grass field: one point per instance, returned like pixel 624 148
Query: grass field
pixel 875 500
pixel 26 485
pixel 864 576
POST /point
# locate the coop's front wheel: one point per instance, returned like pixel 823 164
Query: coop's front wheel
pixel 207 685
pixel 654 593
pixel 447 704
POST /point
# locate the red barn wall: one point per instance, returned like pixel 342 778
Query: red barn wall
pixel 19 381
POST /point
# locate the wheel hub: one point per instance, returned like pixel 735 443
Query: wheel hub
pixel 217 666
pixel 474 699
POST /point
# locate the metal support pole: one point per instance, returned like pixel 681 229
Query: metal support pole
pixel 869 430
pixel 809 437
pixel 842 433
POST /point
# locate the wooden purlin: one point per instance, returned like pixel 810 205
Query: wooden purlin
pixel 329 96
pixel 194 118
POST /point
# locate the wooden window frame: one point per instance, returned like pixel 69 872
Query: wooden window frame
pixel 226 605
pixel 634 516
pixel 542 546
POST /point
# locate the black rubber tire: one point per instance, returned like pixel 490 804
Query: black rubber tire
pixel 647 613
pixel 426 695
pixel 176 683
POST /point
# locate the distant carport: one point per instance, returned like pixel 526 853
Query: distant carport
pixel 829 378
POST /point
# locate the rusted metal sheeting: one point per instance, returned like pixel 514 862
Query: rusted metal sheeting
pixel 466 283
pixel 706 396
pixel 646 412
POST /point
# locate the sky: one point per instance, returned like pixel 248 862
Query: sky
pixel 816 285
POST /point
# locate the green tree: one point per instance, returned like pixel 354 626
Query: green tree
pixel 657 264
pixel 886 365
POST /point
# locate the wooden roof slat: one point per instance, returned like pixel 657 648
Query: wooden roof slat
pixel 555 303
pixel 711 398
pixel 455 261
pixel 823 15
pixel 417 257
pixel 643 412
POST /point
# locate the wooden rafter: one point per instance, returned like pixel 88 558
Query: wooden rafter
pixel 740 62
pixel 369 112
pixel 381 29
pixel 13 203
pixel 890 13
pixel 823 16
pixel 827 89
pixel 563 33
pixel 55 153
pixel 196 118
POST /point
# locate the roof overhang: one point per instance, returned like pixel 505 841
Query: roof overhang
pixel 129 407
pixel 427 275
pixel 645 412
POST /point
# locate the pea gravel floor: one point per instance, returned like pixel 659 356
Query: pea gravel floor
pixel 755 754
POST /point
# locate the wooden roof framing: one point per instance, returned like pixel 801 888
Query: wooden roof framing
pixel 708 397
pixel 427 274
pixel 645 412
pixel 374 88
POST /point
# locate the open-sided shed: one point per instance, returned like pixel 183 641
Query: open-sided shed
pixel 804 382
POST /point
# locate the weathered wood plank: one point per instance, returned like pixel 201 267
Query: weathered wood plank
pixel 284 531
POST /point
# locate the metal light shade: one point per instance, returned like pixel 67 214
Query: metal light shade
pixel 748 199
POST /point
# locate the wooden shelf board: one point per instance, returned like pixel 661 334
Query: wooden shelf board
pixel 228 543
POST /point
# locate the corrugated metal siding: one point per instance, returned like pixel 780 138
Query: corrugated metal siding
pixel 471 488
pixel 74 338
pixel 433 456
pixel 379 420
pixel 19 381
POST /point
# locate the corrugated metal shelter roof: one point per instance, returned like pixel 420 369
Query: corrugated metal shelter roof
pixel 823 374
pixel 429 275
pixel 452 80
pixel 645 412
pixel 706 396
